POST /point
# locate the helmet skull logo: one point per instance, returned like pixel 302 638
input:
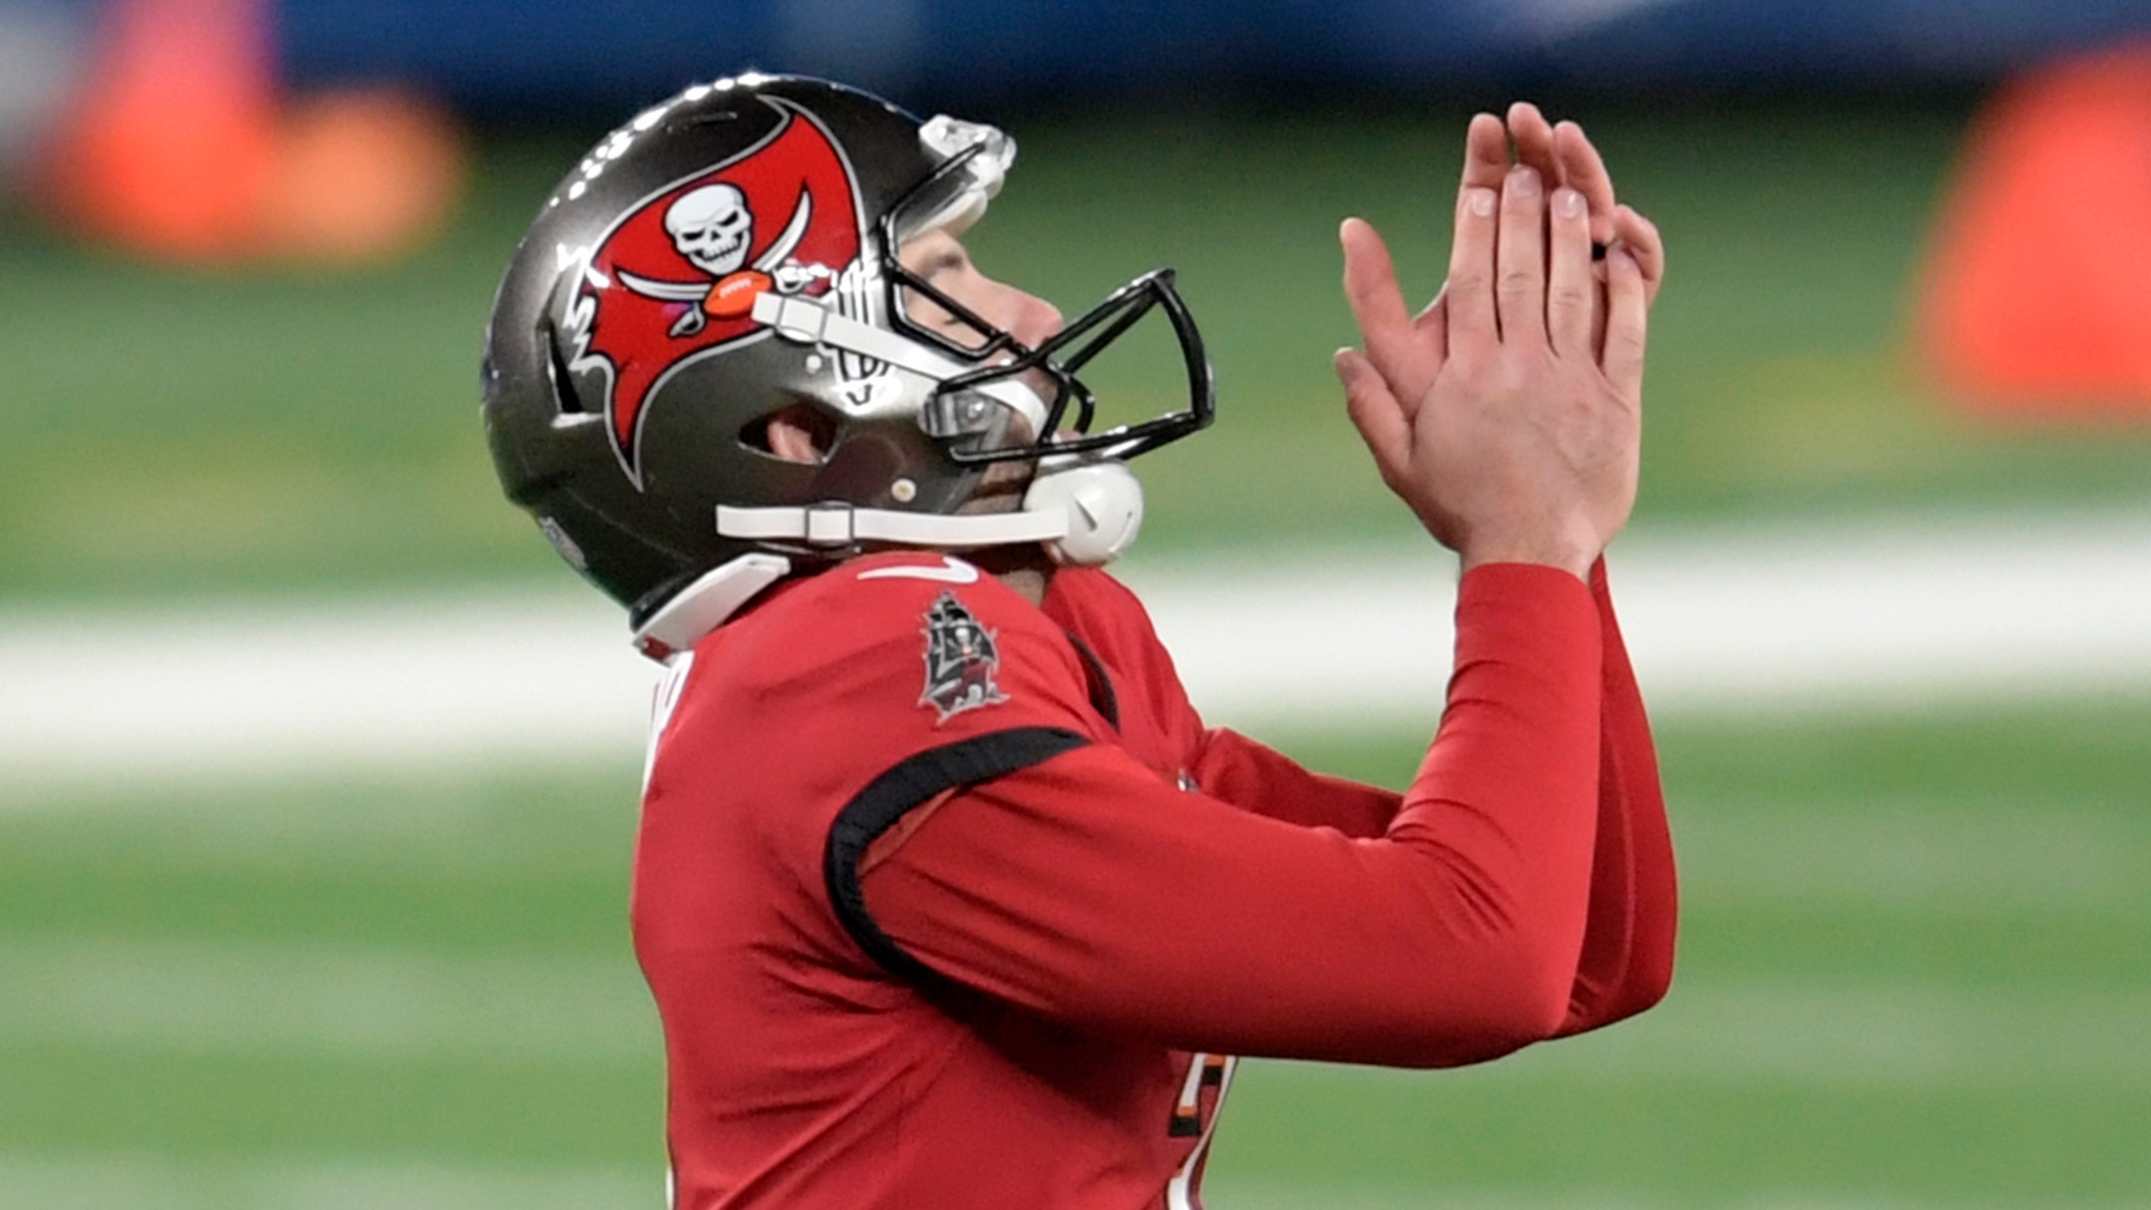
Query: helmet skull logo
pixel 712 227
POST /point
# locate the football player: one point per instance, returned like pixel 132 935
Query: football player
pixel 946 895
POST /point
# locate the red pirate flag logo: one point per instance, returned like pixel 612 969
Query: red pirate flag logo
pixel 961 659
pixel 674 280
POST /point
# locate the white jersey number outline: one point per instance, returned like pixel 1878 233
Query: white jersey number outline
pixel 664 699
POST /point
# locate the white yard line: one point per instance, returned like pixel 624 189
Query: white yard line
pixel 1718 618
pixel 1758 619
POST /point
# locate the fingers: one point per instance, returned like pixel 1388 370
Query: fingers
pixel 1584 170
pixel 1640 236
pixel 1627 311
pixel 1564 156
pixel 1571 285
pixel 1470 288
pixel 1375 412
pixel 1370 288
pixel 1521 257
pixel 1486 153
pixel 1533 137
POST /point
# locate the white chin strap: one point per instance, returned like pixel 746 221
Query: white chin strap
pixel 1086 513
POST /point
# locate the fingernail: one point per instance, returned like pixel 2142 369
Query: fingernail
pixel 1568 203
pixel 1523 181
pixel 1481 201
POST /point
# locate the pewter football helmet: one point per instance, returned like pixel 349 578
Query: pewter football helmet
pixel 731 255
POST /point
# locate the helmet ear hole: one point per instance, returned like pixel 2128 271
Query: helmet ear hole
pixel 798 432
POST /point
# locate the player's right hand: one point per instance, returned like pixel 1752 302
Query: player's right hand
pixel 1510 431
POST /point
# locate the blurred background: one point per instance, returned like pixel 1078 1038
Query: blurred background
pixel 318 774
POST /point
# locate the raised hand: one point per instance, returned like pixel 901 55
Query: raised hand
pixel 1497 414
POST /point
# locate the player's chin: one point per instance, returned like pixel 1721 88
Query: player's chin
pixel 1000 490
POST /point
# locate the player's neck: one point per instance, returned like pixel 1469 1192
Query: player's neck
pixel 1027 570
pixel 1030 584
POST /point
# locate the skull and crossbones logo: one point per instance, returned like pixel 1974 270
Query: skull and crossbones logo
pixel 712 227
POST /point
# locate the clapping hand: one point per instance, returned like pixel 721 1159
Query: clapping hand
pixel 1507 414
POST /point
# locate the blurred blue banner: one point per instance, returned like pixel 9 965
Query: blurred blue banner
pixel 521 54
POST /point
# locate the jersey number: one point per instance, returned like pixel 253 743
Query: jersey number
pixel 1208 1079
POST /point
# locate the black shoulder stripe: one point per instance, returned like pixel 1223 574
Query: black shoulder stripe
pixel 894 794
pixel 1102 697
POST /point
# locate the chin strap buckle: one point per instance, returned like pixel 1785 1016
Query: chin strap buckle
pixel 830 524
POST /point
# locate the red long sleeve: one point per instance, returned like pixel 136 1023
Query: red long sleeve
pixel 1088 890
pixel 1627 962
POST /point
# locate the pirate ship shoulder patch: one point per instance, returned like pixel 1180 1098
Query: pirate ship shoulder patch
pixel 961 660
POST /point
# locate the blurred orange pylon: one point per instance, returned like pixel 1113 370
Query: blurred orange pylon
pixel 2036 296
pixel 181 147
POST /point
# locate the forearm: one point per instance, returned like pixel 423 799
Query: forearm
pixel 1510 783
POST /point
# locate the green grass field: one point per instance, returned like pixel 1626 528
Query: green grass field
pixel 1916 966
pixel 1916 971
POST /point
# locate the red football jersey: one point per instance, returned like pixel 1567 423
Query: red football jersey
pixel 948 900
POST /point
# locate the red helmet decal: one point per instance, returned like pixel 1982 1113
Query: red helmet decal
pixel 674 280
